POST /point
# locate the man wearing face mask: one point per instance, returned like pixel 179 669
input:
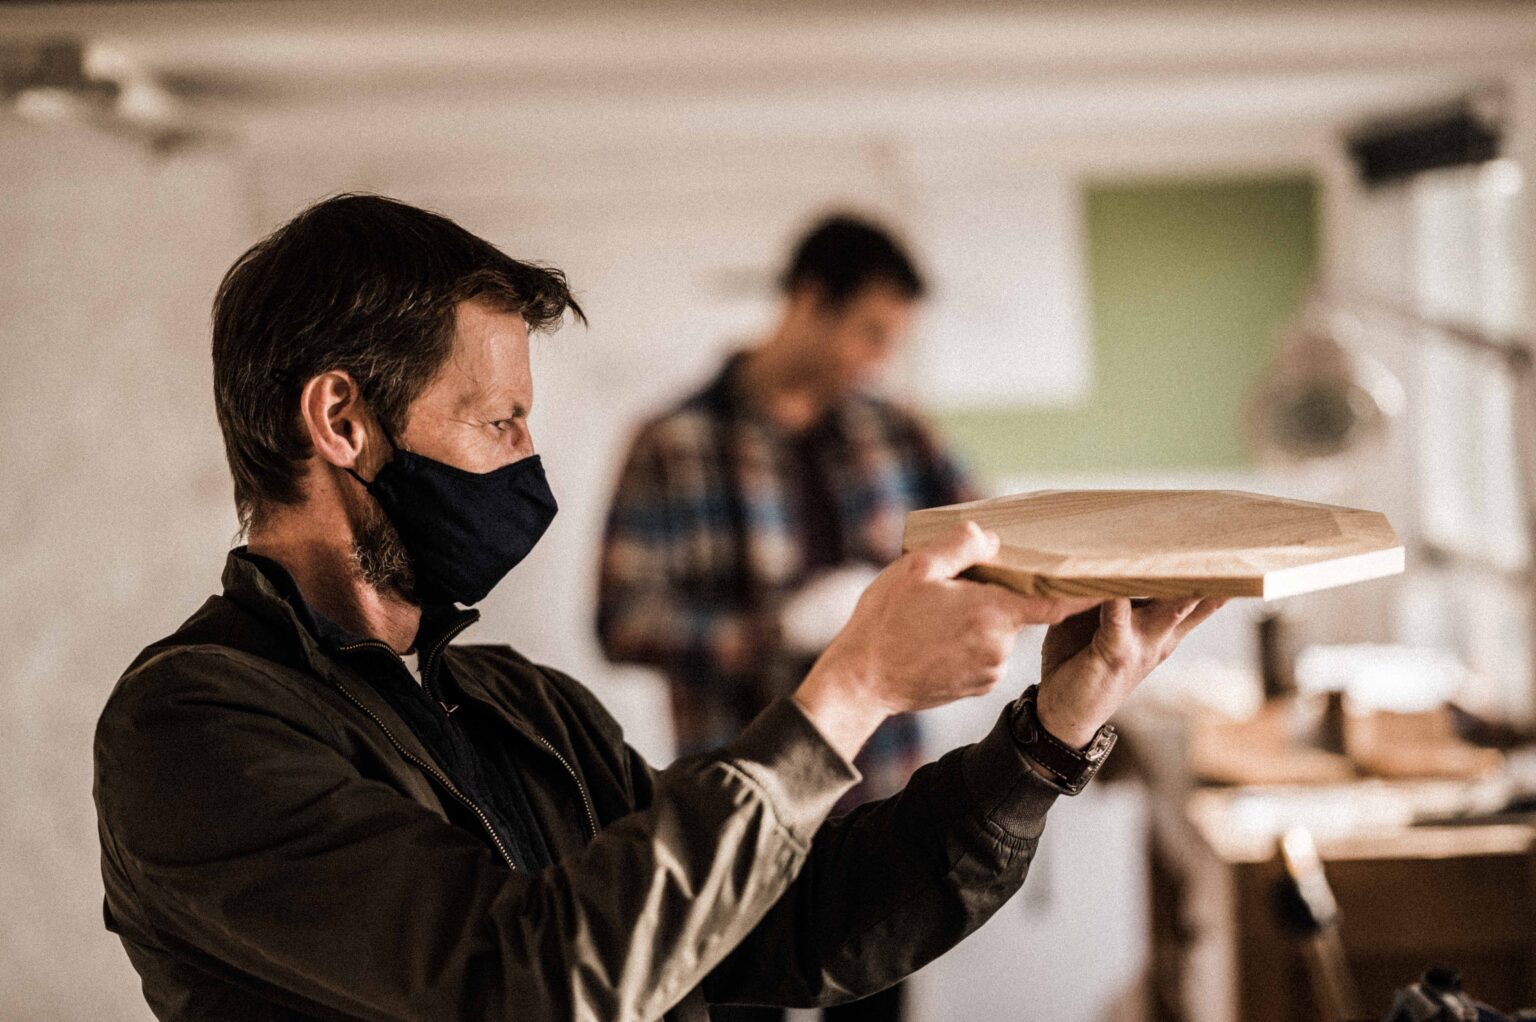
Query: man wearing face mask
pixel 313 804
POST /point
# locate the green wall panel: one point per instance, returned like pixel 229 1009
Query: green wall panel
pixel 1188 282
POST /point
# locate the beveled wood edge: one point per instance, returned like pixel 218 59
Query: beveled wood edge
pixel 1343 571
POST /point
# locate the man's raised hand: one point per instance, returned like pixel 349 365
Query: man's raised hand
pixel 921 637
pixel 1092 661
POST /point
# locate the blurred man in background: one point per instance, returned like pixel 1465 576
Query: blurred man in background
pixel 749 518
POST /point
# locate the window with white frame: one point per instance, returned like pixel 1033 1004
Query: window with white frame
pixel 1474 593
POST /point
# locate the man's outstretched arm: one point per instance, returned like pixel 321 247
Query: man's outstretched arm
pixel 894 884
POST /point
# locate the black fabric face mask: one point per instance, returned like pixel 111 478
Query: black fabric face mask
pixel 463 530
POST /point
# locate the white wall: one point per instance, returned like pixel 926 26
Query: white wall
pixel 114 512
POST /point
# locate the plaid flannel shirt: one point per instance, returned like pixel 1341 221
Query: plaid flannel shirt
pixel 704 544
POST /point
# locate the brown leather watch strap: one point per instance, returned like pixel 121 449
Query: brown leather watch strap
pixel 1064 768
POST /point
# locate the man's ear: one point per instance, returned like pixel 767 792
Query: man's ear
pixel 339 426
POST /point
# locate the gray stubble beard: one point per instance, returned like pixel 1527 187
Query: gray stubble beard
pixel 379 552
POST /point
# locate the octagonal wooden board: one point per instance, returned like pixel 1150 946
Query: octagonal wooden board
pixel 1170 543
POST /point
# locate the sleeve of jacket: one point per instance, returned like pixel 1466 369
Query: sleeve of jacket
pixel 894 884
pixel 251 840
pixel 647 612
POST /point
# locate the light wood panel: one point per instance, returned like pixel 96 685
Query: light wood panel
pixel 1170 543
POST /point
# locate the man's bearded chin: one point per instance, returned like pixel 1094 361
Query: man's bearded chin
pixel 380 555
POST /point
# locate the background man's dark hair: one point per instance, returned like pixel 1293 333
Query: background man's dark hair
pixel 358 283
pixel 842 255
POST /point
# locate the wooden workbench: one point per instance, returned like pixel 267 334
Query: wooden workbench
pixel 1411 896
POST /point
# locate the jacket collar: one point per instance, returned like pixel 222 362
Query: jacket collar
pixel 265 589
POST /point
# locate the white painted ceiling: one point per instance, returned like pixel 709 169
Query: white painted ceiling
pixel 480 77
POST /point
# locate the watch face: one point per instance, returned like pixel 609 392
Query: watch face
pixel 1101 744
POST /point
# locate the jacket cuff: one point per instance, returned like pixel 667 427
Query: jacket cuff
pixel 802 775
pixel 1004 788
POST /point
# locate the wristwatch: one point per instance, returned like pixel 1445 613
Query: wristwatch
pixel 1064 768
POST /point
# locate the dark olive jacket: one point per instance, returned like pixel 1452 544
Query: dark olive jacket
pixel 275 846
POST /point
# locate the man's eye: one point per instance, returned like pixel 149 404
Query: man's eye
pixel 502 425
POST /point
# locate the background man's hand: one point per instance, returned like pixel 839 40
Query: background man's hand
pixel 920 637
pixel 1092 661
pixel 811 618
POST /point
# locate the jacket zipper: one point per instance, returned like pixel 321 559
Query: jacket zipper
pixel 586 803
pixel 426 672
pixel 428 767
pixel 426 666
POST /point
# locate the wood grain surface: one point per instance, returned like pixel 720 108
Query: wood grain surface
pixel 1170 543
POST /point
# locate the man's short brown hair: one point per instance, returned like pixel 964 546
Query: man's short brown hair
pixel 844 255
pixel 357 283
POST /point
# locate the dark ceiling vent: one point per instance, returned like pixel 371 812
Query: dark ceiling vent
pixel 1464 133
